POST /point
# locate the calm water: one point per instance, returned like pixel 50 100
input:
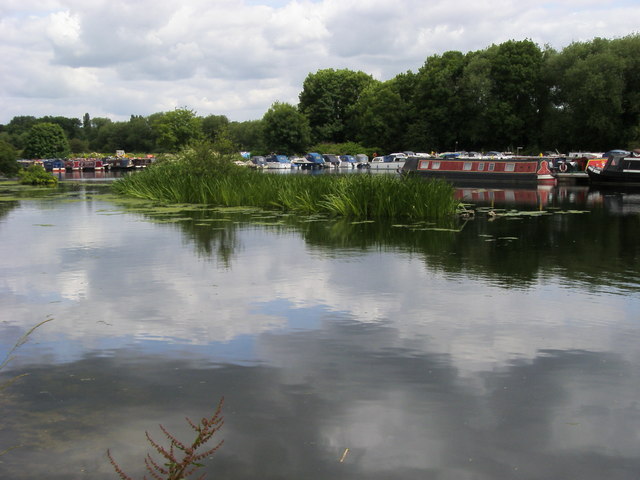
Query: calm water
pixel 501 347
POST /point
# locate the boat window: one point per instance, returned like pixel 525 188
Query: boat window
pixel 424 164
pixel 633 164
pixel 435 165
pixel 510 167
pixel 467 166
pixel 481 166
pixel 492 166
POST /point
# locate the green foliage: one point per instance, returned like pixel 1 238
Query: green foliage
pixel 595 93
pixel 46 140
pixel 204 158
pixel 78 146
pixel 247 135
pixel 439 105
pixel 346 148
pixel 327 99
pixel 380 116
pixel 213 126
pixel 71 127
pixel 516 73
pixel 37 175
pixel 286 130
pixel 8 156
pixel 176 129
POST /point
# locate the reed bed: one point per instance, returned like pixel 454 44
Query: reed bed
pixel 357 196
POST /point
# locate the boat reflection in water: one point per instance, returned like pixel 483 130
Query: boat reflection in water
pixel 616 201
pixel 541 196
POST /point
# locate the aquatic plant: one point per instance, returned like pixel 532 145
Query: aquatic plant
pixel 356 196
pixel 180 460
pixel 36 175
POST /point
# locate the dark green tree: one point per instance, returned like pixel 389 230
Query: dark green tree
pixel 176 129
pixel 214 125
pixel 96 136
pixel 247 136
pixel 78 146
pixel 476 87
pixel 46 140
pixel 111 136
pixel 72 127
pixel 441 108
pixel 18 128
pixel 516 73
pixel 285 129
pixel 380 116
pixel 327 99
pixel 589 95
pixel 86 126
pixel 138 135
pixel 8 156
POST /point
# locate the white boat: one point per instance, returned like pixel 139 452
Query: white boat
pixel 362 161
pixel 347 161
pixel 280 162
pixel 393 161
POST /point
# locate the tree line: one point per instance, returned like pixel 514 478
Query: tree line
pixel 507 96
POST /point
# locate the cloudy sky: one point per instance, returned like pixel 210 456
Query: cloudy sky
pixel 114 58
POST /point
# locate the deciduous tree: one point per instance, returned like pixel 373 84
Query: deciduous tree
pixel 327 98
pixel 286 130
pixel 46 140
pixel 177 128
pixel 8 157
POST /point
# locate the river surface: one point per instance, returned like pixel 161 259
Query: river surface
pixel 505 345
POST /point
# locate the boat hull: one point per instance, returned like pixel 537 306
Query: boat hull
pixel 514 170
pixel 618 170
pixel 386 165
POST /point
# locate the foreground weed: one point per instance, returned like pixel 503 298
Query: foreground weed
pixel 21 341
pixel 173 467
pixel 7 359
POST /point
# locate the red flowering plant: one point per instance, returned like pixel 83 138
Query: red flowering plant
pixel 180 460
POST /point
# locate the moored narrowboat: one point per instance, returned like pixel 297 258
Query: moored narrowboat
pixel 509 170
pixel 73 164
pixel 54 165
pixel 620 167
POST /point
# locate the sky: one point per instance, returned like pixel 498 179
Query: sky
pixel 117 58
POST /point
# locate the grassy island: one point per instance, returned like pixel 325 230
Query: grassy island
pixel 212 179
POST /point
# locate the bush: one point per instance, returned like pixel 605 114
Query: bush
pixel 36 175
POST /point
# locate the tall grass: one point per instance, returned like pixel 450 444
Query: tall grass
pixel 357 196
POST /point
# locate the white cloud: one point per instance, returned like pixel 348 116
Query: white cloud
pixel 238 57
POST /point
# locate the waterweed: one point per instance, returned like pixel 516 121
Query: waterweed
pixel 180 460
pixel 356 196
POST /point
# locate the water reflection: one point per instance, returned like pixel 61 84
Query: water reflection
pixel 401 412
pixel 486 348
pixel 514 251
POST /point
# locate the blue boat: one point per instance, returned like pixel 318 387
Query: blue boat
pixel 54 165
pixel 316 160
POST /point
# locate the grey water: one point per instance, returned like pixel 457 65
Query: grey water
pixel 503 345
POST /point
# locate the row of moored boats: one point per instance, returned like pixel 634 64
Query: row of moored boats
pixel 59 165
